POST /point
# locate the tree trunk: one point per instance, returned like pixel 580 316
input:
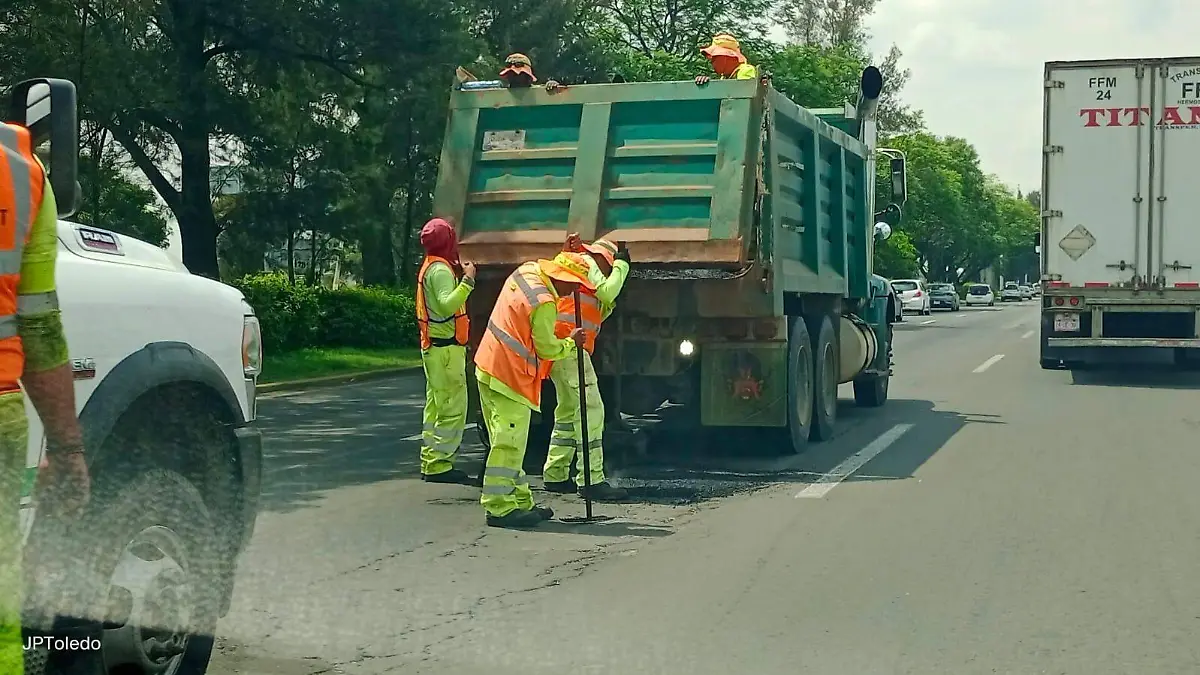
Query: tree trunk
pixel 197 225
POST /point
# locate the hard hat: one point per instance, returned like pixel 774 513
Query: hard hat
pixel 571 268
pixel 724 44
pixel 603 248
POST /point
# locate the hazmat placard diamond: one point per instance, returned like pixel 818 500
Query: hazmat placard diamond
pixel 1077 242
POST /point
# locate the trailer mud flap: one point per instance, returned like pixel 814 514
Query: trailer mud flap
pixel 744 384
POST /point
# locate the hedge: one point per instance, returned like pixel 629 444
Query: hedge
pixel 299 316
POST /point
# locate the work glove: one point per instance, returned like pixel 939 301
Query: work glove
pixel 622 252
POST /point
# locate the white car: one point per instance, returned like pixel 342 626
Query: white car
pixel 980 294
pixel 914 295
pixel 1026 292
pixel 165 367
pixel 1011 291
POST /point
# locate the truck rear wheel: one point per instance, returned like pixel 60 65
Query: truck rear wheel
pixel 800 386
pixel 826 354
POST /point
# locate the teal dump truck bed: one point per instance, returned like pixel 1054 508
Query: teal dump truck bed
pixel 687 176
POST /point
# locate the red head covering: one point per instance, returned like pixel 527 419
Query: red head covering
pixel 439 240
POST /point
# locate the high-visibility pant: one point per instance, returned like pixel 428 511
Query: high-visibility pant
pixel 505 485
pixel 566 439
pixel 13 437
pixel 445 407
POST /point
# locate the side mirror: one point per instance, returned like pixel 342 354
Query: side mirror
pixel 882 230
pixel 899 181
pixel 48 108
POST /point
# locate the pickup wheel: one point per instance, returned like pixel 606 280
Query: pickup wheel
pixel 826 356
pixel 154 552
pixel 800 387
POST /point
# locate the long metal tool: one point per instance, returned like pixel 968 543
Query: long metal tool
pixel 583 427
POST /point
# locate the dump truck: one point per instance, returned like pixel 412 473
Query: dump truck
pixel 751 225
pixel 1120 258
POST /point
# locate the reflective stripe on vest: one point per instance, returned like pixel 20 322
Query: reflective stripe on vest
pixel 21 184
pixel 590 312
pixel 426 316
pixel 507 352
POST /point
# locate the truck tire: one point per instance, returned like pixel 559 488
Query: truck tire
pixel 826 366
pixel 800 387
pixel 155 529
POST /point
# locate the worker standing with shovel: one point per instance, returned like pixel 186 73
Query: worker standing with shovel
pixel 608 271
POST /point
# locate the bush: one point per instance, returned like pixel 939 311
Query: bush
pixel 298 316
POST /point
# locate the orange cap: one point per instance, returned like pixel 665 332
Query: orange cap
pixel 724 44
pixel 603 248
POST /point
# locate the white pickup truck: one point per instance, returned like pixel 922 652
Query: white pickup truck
pixel 1120 252
pixel 165 367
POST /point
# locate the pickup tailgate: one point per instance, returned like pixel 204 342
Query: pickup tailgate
pixel 667 167
pixel 1122 139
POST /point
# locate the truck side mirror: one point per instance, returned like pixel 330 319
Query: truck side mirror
pixel 48 108
pixel 882 230
pixel 899 181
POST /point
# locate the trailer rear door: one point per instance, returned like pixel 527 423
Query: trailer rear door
pixel 1096 171
pixel 1175 162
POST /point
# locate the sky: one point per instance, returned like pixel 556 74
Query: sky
pixel 977 64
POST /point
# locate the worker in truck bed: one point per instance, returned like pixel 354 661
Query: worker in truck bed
pixel 443 285
pixel 519 337
pixel 33 353
pixel 608 270
pixel 725 55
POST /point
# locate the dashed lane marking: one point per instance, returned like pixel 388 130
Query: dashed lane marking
pixel 988 364
pixel 1027 335
pixel 853 463
pixel 926 323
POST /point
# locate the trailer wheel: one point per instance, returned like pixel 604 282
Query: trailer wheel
pixel 800 386
pixel 826 356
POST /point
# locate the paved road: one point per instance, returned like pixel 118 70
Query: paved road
pixel 992 518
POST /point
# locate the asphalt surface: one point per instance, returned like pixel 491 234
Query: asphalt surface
pixel 991 518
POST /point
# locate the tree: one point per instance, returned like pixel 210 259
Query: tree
pixel 114 202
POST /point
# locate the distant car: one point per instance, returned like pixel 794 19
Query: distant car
pixel 1035 289
pixel 943 296
pixel 1011 291
pixel 980 294
pixel 914 297
pixel 1026 292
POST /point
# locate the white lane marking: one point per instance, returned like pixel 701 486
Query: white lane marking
pixel 1027 335
pixel 853 463
pixel 417 437
pixel 926 323
pixel 959 316
pixel 988 364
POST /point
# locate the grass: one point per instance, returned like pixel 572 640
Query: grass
pixel 319 362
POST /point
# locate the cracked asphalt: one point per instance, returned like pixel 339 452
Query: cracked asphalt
pixel 992 518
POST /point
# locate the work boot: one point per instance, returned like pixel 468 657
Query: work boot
pixel 603 492
pixel 562 487
pixel 516 520
pixel 451 476
pixel 545 512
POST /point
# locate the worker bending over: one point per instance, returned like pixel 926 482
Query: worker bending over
pixel 443 285
pixel 33 352
pixel 609 267
pixel 725 55
pixel 521 335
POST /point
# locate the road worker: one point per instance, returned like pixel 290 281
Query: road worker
pixel 443 285
pixel 609 267
pixel 520 336
pixel 33 353
pixel 725 55
pixel 518 72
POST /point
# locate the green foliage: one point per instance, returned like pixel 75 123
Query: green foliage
pixel 114 202
pixel 298 316
pixel 896 257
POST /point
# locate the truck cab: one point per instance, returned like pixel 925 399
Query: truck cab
pixel 165 366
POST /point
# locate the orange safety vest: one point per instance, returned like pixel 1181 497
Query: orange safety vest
pixel 507 352
pixel 590 313
pixel 462 324
pixel 21 182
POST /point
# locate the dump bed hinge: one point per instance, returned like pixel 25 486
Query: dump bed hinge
pixel 1052 214
pixel 1051 149
pixel 1053 84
